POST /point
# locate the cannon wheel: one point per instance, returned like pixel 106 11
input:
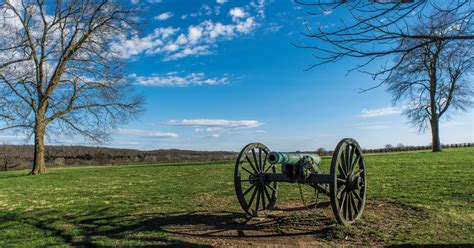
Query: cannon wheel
pixel 253 192
pixel 347 189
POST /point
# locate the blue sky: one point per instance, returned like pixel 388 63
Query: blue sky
pixel 220 74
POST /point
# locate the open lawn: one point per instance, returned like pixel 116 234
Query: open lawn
pixel 413 197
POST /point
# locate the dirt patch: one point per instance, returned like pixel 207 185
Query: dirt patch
pixel 291 224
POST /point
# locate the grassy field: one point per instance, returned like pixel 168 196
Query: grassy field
pixel 141 205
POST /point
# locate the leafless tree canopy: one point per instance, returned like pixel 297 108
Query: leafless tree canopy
pixel 57 66
pixel 435 76
pixel 373 29
pixel 424 47
pixel 58 71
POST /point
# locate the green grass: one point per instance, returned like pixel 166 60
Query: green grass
pixel 133 205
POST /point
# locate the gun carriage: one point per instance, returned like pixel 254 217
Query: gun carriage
pixel 257 175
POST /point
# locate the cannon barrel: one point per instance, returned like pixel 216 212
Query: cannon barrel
pixel 292 158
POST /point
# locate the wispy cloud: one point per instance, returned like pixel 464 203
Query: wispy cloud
pixel 213 123
pixel 164 16
pixel 146 1
pixel 368 113
pixel 327 12
pixel 175 79
pixel 196 39
pixel 146 133
pixel 373 127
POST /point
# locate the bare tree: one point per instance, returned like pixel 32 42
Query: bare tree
pixel 58 71
pixel 376 31
pixel 434 77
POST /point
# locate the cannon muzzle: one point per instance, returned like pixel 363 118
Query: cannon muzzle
pixel 292 158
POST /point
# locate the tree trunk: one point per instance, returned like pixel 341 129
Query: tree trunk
pixel 434 120
pixel 39 165
pixel 436 144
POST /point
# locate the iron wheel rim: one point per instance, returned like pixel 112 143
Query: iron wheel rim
pixel 254 194
pixel 348 186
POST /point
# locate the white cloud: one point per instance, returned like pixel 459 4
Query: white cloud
pixel 247 26
pixel 237 13
pixel 171 47
pixel 150 44
pixel 213 124
pixel 327 12
pixel 221 1
pixel 146 133
pixel 164 16
pixel 194 33
pixel 189 51
pixel 196 39
pixel 368 113
pixel 174 79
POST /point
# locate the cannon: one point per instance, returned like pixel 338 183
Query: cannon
pixel 258 172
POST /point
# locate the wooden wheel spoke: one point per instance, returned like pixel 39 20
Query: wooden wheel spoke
pixel 339 192
pixel 260 159
pixel 357 196
pixel 347 207
pixel 255 160
pixel 346 159
pixel 271 187
pixel 343 163
pixel 245 180
pixel 269 167
pixel 341 169
pixel 245 169
pixel 353 165
pixel 258 198
pixel 354 206
pixel 340 180
pixel 351 158
pixel 252 198
pixel 263 197
pixel 265 162
pixel 248 190
pixel 342 201
pixel 358 172
pixel 267 194
pixel 251 165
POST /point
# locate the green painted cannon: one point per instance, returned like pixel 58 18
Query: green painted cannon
pixel 258 172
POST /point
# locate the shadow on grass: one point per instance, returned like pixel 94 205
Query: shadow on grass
pixel 106 226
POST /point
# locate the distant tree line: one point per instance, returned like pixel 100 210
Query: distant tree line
pixel 14 157
pixel 21 156
pixel 399 148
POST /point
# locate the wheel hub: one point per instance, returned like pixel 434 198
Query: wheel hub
pixel 258 179
pixel 353 182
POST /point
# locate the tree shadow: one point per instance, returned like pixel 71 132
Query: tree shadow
pixel 152 229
